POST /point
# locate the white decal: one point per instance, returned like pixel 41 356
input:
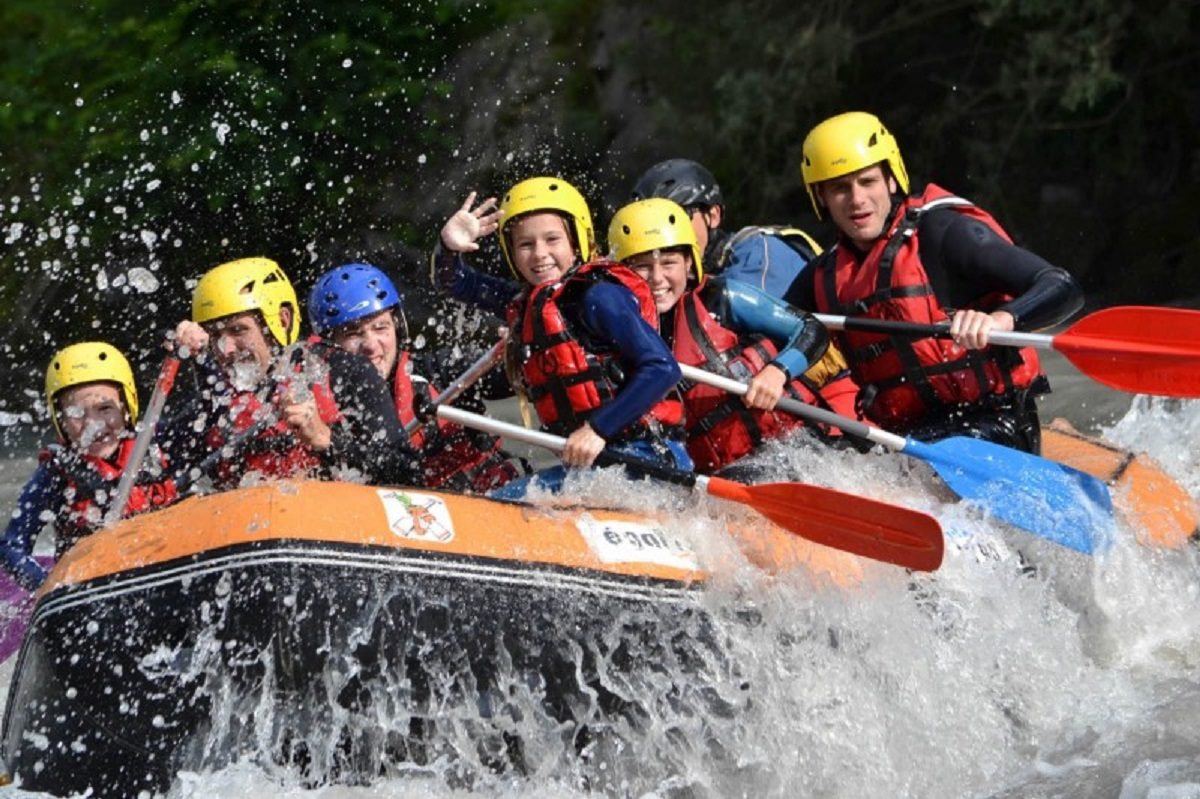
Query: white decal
pixel 419 517
pixel 616 541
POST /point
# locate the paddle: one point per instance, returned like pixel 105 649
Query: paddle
pixel 166 379
pixel 866 527
pixel 1139 349
pixel 464 381
pixel 1056 502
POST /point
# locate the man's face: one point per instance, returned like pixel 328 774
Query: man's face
pixel 92 418
pixel 666 272
pixel 241 347
pixel 859 203
pixel 541 248
pixel 373 337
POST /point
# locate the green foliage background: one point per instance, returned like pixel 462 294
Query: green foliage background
pixel 141 143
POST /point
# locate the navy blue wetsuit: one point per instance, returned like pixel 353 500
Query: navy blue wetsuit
pixel 41 498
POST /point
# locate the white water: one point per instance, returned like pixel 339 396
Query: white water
pixel 1018 669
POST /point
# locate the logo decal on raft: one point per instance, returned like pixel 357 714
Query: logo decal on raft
pixel 618 541
pixel 418 517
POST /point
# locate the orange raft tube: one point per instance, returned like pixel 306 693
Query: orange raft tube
pixel 334 624
pixel 1160 511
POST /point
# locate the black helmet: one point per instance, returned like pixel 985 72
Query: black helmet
pixel 681 180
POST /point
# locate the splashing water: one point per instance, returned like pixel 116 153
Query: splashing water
pixel 1017 669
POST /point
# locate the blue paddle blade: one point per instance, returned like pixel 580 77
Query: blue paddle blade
pixel 1048 499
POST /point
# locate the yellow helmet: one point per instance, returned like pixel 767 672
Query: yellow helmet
pixel 249 284
pixel 653 224
pixel 847 143
pixel 89 362
pixel 548 194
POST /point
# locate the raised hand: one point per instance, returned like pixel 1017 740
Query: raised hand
pixel 462 232
pixel 190 338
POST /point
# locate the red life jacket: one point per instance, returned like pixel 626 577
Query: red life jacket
pixel 274 452
pixel 83 515
pixel 453 458
pixel 565 378
pixel 913 379
pixel 720 428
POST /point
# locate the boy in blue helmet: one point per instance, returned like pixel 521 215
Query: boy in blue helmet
pixel 358 308
pixel 585 345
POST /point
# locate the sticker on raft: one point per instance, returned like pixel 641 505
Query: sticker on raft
pixel 616 541
pixel 419 517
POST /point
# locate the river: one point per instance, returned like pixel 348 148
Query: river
pixel 1016 670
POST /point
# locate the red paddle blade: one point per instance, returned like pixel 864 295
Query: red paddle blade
pixel 866 527
pixel 1138 349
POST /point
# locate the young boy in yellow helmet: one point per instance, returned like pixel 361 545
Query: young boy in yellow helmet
pixel 584 331
pixel 926 257
pixel 282 408
pixel 730 328
pixel 93 404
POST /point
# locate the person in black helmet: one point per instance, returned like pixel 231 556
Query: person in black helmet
pixel 766 257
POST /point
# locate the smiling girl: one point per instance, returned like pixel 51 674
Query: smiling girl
pixel 586 349
pixel 730 328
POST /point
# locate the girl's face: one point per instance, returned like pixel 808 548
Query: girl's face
pixel 373 337
pixel 666 271
pixel 92 417
pixel 541 247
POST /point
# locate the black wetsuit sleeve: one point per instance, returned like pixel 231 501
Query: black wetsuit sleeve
pixel 965 259
pixel 802 293
pixel 369 438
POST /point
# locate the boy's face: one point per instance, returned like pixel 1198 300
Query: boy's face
pixel 92 417
pixel 541 247
pixel 666 272
pixel 241 347
pixel 373 337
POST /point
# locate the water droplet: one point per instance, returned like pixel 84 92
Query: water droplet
pixel 143 280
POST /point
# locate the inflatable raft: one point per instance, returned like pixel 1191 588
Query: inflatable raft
pixel 335 626
pixel 1158 509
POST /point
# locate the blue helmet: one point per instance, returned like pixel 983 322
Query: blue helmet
pixel 348 293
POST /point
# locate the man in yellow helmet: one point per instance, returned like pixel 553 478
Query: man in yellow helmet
pixel 926 257
pixel 93 405
pixel 287 408
pixel 586 348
